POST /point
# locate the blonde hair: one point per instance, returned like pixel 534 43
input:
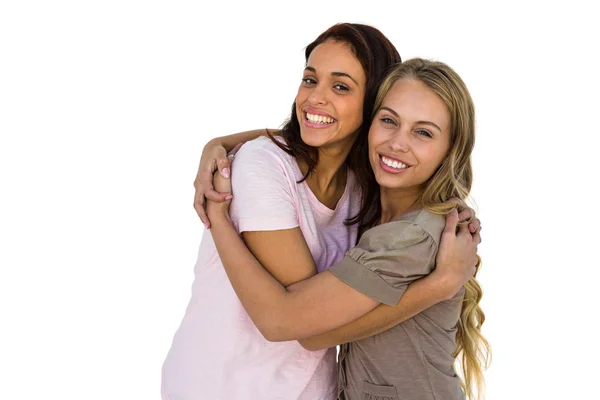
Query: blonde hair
pixel 453 178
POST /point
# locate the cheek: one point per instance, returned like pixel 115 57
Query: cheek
pixel 358 112
pixel 373 158
pixel 374 139
pixel 372 153
pixel 300 98
pixel 353 111
pixel 436 159
pixel 429 158
pixel 301 95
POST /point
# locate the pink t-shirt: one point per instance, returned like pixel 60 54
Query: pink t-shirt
pixel 217 352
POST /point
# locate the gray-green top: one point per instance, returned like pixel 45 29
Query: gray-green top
pixel 414 359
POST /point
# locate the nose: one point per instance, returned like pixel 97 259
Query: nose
pixel 317 95
pixel 400 141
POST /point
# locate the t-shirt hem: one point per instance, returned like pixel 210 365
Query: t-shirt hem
pixel 265 224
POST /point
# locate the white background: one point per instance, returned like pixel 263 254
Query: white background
pixel 105 107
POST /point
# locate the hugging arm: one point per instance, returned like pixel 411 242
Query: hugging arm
pixel 441 284
pixel 313 306
pixel 281 257
pixel 282 313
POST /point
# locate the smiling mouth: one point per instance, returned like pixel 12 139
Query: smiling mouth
pixel 318 119
pixel 393 163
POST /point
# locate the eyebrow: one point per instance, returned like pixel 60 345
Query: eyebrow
pixel 418 122
pixel 311 69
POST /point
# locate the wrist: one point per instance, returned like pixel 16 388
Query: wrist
pixel 224 142
pixel 446 284
pixel 215 142
pixel 218 212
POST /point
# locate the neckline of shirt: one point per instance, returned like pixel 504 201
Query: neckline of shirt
pixel 322 208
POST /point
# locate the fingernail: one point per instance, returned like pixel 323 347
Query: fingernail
pixel 229 197
pixel 225 172
pixel 471 228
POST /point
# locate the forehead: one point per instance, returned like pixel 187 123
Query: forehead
pixel 415 101
pixel 333 56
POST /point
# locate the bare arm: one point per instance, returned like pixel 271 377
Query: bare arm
pixel 417 298
pixel 316 305
pixel 230 141
pixel 307 308
pixel 283 253
pixel 278 255
pixel 420 294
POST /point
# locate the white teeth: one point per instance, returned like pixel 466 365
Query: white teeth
pixel 319 119
pixel 393 163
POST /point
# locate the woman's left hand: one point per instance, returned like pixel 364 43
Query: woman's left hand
pixel 466 215
pixel 457 258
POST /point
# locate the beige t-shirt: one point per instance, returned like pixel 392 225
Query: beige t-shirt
pixel 414 359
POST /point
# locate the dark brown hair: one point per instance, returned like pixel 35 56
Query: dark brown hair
pixel 376 55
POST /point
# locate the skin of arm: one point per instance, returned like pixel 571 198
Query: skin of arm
pixel 284 314
pixel 270 247
pixel 457 248
pixel 418 297
pixel 304 309
pixel 298 312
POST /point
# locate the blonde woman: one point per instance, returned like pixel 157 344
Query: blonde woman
pixel 419 145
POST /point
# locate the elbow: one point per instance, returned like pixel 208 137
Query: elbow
pixel 279 325
pixel 273 331
pixel 307 344
pixel 275 335
pixel 271 335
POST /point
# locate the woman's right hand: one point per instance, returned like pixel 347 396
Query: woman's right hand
pixel 214 156
pixel 219 211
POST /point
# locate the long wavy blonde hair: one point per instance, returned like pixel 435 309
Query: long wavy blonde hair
pixel 453 178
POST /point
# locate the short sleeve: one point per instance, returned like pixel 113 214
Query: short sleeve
pixel 387 259
pixel 262 192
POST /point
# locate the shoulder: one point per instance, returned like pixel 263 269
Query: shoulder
pixel 262 157
pixel 261 146
pixel 390 256
pixel 430 223
pixel 260 163
pixel 409 229
pixel 263 181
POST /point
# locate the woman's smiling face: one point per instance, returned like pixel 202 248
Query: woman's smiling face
pixel 329 103
pixel 409 136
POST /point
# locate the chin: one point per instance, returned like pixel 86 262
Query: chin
pixel 389 182
pixel 313 140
